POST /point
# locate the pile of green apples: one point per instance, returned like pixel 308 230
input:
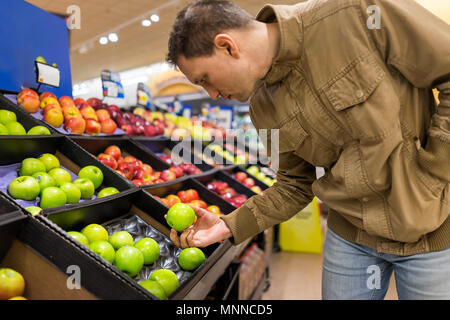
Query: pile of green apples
pixel 44 178
pixel 129 256
pixel 10 126
pixel 257 173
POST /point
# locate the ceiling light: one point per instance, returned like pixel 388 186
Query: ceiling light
pixel 103 40
pixel 146 23
pixel 113 37
pixel 154 17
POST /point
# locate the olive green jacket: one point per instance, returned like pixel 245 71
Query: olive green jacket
pixel 355 97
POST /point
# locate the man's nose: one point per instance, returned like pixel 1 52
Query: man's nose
pixel 213 93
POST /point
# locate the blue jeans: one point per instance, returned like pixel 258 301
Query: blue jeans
pixel 352 271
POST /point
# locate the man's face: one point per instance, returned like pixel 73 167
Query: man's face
pixel 219 74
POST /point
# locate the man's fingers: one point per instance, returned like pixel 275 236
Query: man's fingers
pixel 174 237
pixel 199 212
pixel 184 237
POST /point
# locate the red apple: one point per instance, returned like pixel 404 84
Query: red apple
pixel 107 159
pixel 168 175
pixel 128 129
pixel 126 170
pixel 93 127
pixel 88 113
pixel 114 151
pixel 79 101
pixel 178 171
pixel 94 102
pixel 192 194
pixel 149 130
pixel 51 106
pixel 199 203
pixel 47 94
pixel 139 174
pixel 30 103
pixel 75 125
pixel 66 101
pixel 156 175
pixel 108 126
pixel 102 114
pixel 241 176
pixel 230 191
pixel 26 92
pixel 158 181
pixel 249 182
pixel 183 196
pixel 147 168
pixel 138 182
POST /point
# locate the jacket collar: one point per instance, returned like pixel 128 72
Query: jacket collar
pixel 291 38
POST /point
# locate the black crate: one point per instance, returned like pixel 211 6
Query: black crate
pixel 95 146
pixel 71 156
pixel 27 120
pixel 141 207
pixel 204 194
pixel 183 151
pixel 11 219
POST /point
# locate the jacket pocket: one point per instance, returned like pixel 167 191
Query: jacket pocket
pixel 364 96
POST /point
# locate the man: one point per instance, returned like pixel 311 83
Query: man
pixel 348 84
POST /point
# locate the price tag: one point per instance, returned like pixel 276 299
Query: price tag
pixel 112 87
pixel 47 74
pixel 221 115
pixel 143 95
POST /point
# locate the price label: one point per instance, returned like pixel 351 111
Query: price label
pixel 143 95
pixel 47 74
pixel 112 87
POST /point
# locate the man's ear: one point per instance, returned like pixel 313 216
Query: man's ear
pixel 224 41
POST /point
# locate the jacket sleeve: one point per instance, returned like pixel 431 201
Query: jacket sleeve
pixel 290 194
pixel 417 43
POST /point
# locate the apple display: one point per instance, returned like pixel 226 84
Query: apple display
pixel 93 127
pixel 75 125
pixel 149 248
pixel 94 232
pixel 52 197
pixel 114 151
pixel 108 126
pixel 50 161
pixel 30 104
pixel 24 188
pixel 120 239
pixel 130 260
pixel 73 194
pixel 104 249
pixel 191 258
pixel 60 176
pixel 30 166
pixel 108 160
pixel 44 179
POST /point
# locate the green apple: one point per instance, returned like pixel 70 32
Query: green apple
pixel 120 239
pixel 52 197
pixel 149 248
pixel 15 128
pixel 50 161
pixel 167 279
pixel 3 130
pixel 154 288
pixel 7 116
pixel 24 188
pixel 45 180
pixel 31 166
pixel 72 192
pixel 95 232
pixel 92 173
pixel 60 175
pixel 253 170
pixel 78 236
pixel 34 210
pixel 180 216
pixel 38 130
pixel 86 187
pixel 191 258
pixel 105 192
pixel 104 249
pixel 267 180
pixel 12 284
pixel 129 260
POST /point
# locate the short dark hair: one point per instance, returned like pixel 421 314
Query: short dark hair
pixel 198 23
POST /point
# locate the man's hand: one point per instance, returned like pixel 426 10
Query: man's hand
pixel 208 229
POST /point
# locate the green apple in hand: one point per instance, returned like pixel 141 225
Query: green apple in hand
pixel 78 236
pixel 7 116
pixel 86 187
pixel 105 192
pixel 34 210
pixel 44 179
pixel 180 216
pixel 15 128
pixel 104 249
pixel 95 232
pixel 60 176
pixel 120 239
pixel 49 160
pixel 153 287
pixel 149 248
pixel 73 193
pixel 52 197
pixel 92 173
pixel 167 279
pixel 38 130
pixel 31 166
pixel 129 260
pixel 24 188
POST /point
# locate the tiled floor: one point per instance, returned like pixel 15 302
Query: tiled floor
pixel 298 276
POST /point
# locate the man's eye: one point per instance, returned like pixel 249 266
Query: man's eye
pixel 203 80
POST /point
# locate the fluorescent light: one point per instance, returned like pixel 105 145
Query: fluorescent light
pixel 146 23
pixel 154 17
pixel 103 40
pixel 113 37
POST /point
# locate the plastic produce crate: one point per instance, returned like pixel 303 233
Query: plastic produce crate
pixel 182 151
pixel 71 157
pixel 23 117
pixel 95 146
pixel 141 215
